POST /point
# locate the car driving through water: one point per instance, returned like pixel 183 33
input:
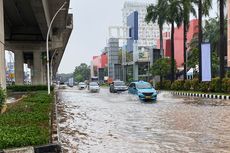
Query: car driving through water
pixel 93 87
pixel 143 90
pixel 117 86
pixel 82 85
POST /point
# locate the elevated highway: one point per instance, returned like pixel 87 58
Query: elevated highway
pixel 24 25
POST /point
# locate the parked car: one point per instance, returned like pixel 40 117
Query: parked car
pixel 117 86
pixel 82 85
pixel 143 90
pixel 93 87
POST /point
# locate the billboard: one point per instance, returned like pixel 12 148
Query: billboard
pixel 132 23
pixel 206 62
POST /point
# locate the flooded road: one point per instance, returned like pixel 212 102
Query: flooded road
pixel 120 123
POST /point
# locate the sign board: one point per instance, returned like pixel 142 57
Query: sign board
pixel 206 62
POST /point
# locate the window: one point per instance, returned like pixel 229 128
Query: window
pixel 130 32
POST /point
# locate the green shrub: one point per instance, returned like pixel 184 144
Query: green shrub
pixel 166 85
pixel 28 88
pixel 177 85
pixel 187 85
pixel 195 85
pixel 2 96
pixel 26 123
pixel 104 85
pixel 204 86
pixel 158 86
pixel 216 85
pixel 226 85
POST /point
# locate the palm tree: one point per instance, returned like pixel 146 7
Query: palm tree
pixel 221 41
pixel 174 15
pixel 156 13
pixel 188 8
pixel 203 8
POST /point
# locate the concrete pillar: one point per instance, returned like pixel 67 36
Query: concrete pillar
pixel 37 78
pixel 135 72
pixel 135 59
pixel 45 73
pixel 124 72
pixel 2 49
pixel 19 68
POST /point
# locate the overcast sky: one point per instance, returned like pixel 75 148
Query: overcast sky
pixel 91 21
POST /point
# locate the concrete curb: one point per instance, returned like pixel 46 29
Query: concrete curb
pixel 208 96
pixel 55 126
pixel 50 148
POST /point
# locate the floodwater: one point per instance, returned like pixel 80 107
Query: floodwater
pixel 120 123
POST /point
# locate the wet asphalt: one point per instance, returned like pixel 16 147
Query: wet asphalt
pixel 120 123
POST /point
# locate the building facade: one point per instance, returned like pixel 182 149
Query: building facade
pixel 112 57
pixel 146 32
pixel 179 41
pixel 99 62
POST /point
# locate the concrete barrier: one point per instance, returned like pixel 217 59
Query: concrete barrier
pixel 50 148
pixel 20 150
pixel 208 96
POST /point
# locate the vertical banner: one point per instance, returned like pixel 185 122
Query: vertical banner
pixel 206 62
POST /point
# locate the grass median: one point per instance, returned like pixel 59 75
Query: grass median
pixel 26 123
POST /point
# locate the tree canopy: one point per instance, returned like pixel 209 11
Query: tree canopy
pixel 161 67
pixel 82 72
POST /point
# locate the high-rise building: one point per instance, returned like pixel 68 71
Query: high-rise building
pixel 147 33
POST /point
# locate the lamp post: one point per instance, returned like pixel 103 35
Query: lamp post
pixel 51 66
pixel 47 46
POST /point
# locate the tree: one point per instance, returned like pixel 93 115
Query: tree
pixel 82 72
pixel 212 34
pixel 193 54
pixel 193 57
pixel 222 49
pixel 157 13
pixel 174 11
pixel 64 77
pixel 203 9
pixel 188 7
pixel 161 67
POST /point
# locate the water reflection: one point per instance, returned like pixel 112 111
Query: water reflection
pixel 120 123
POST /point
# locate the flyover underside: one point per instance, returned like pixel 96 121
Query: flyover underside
pixel 60 52
pixel 26 25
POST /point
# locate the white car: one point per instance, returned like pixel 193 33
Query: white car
pixel 82 85
pixel 93 87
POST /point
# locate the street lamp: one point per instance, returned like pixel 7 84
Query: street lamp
pixel 47 47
